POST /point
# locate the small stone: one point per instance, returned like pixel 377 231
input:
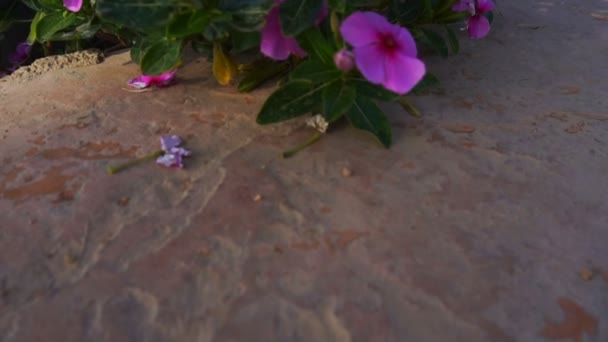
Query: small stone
pixel 69 260
pixel 257 197
pixel 346 172
pixel 123 201
pixel 586 274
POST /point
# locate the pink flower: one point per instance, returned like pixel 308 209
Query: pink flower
pixel 345 60
pixel 477 25
pixel 277 46
pixel 72 5
pixel 384 53
pixel 145 81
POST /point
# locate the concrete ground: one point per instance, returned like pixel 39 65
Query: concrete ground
pixel 486 221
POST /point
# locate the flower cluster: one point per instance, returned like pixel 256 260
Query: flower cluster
pixel 333 60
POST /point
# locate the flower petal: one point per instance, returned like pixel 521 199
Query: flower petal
pixel 406 43
pixel 479 26
pixel 181 151
pixel 370 61
pixel 72 5
pixel 274 44
pixel 362 28
pixel 403 73
pixel 168 160
pixel 462 6
pixel 167 142
pixel 141 82
pixel 484 6
pixel 165 79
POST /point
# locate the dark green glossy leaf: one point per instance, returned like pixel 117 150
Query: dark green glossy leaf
pixel 185 24
pixel 161 57
pixel 315 43
pixel 298 15
pixel 372 90
pixel 338 5
pixel 338 97
pixel 52 23
pixel 293 99
pixel 436 42
pixel 453 40
pixel 141 15
pixel 315 71
pixel 365 115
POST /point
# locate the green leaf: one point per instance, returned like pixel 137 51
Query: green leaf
pixel 436 42
pixel 314 42
pixel 372 90
pixel 428 81
pixel 141 15
pixel 243 41
pixel 33 25
pixel 262 72
pixel 298 15
pixel 293 99
pixel 161 57
pixel 365 115
pixel 52 23
pixel 453 40
pixel 338 5
pixel 189 23
pixel 338 97
pixel 84 31
pixel 315 71
pixel 245 5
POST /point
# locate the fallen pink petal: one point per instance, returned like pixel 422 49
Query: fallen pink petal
pixel 145 81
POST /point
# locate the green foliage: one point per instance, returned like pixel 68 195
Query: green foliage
pixel 157 31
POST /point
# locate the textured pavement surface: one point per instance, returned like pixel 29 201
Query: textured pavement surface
pixel 486 221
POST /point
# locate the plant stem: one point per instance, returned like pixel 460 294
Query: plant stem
pixel 114 169
pixel 303 145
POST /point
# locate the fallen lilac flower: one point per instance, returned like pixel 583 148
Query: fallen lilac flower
pixel 174 154
pixel 145 81
pixel 171 155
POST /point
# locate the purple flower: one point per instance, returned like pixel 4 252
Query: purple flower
pixel 345 60
pixel 384 53
pixel 72 5
pixel 174 154
pixel 145 81
pixel 478 25
pixel 22 52
pixel 277 46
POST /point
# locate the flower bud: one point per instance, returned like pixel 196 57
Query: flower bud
pixel 345 60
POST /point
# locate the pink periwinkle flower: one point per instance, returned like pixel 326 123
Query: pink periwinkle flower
pixel 385 54
pixel 72 5
pixel 478 25
pixel 276 45
pixel 145 81
pixel 344 60
pixel 174 154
